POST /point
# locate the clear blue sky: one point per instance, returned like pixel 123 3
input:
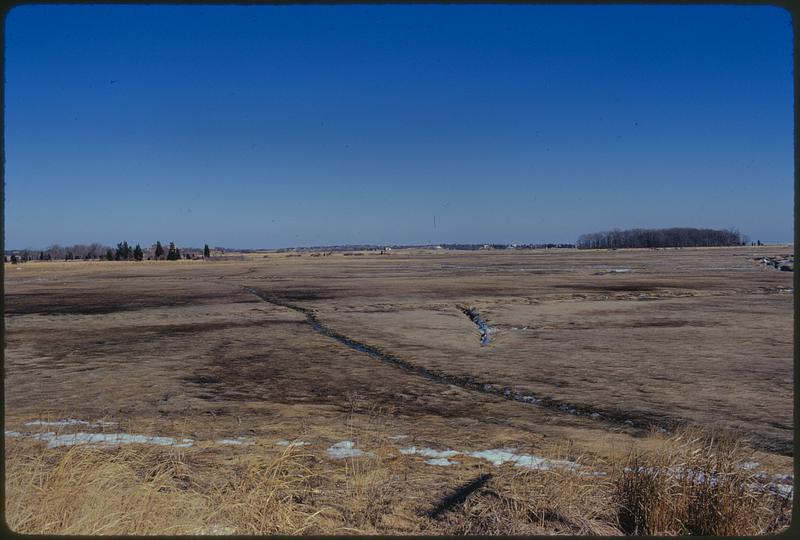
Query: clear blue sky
pixel 262 126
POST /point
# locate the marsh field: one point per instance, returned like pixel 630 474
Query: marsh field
pixel 410 392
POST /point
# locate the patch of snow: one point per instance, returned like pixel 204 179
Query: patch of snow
pixel 236 441
pixel 71 439
pixel 13 434
pixel 345 449
pixel 397 437
pixel 215 530
pixel 69 422
pixel 612 271
pixel 531 462
pixel 296 442
pixel 748 465
pixel 442 462
pixel 783 490
pixel 429 452
pixel 498 456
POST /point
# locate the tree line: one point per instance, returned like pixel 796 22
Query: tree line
pixel 95 251
pixel 661 238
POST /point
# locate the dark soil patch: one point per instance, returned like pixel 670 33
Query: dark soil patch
pixel 614 287
pixel 202 379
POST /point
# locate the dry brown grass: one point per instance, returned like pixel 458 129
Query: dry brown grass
pixel 529 502
pixel 89 491
pixel 663 489
pixel 693 484
pixel 143 490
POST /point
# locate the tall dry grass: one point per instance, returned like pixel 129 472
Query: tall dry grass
pixel 521 501
pixel 694 484
pixel 87 491
pixel 143 490
pixel 691 483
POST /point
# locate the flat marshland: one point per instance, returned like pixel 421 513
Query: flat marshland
pixel 417 391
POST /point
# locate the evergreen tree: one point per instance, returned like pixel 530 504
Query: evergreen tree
pixel 14 259
pixel 137 253
pixel 206 252
pixel 41 255
pixel 124 252
pixel 173 254
pixel 159 251
pixel 110 255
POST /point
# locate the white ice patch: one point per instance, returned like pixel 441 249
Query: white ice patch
pixel 748 465
pixel 397 437
pixel 70 439
pixel 429 452
pixel 498 456
pixel 235 442
pixel 782 490
pixel 215 530
pixel 613 271
pixel 284 442
pixel 70 422
pixel 13 434
pixel 345 449
pixel 441 462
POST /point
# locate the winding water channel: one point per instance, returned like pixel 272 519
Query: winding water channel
pixel 474 316
pixel 468 383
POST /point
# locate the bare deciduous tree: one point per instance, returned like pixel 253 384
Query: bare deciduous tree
pixel 659 238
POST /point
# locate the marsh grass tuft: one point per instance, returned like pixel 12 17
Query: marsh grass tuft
pixel 693 484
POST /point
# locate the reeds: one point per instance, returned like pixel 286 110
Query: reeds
pixel 694 484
